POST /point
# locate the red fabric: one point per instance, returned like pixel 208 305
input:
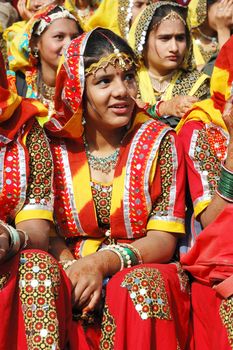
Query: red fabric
pixel 12 330
pixel 209 331
pixel 211 258
pixel 153 333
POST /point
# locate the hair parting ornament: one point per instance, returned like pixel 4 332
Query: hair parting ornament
pixel 116 59
pixel 172 16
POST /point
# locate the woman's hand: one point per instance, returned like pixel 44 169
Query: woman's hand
pixel 177 106
pixel 86 276
pixel 25 14
pixel 4 242
pixel 223 15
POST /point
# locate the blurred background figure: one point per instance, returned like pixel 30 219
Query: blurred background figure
pixel 117 15
pixel 34 54
pixel 211 23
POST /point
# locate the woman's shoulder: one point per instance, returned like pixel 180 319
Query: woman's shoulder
pixel 193 83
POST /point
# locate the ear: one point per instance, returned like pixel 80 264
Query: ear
pixel 35 43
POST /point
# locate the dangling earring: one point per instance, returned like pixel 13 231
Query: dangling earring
pixel 36 52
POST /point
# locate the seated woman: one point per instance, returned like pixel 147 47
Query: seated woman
pixel 35 54
pixel 207 138
pixel 33 289
pixel 211 23
pixel 117 15
pixel 167 81
pixel 119 201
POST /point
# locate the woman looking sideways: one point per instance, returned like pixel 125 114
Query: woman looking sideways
pixel 119 202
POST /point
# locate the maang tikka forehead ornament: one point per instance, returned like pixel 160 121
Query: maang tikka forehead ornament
pixel 116 59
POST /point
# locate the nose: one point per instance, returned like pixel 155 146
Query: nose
pixel 173 45
pixel 120 88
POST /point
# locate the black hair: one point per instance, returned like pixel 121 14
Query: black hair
pixel 101 43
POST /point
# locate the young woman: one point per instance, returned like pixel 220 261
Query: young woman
pixel 211 26
pixel 35 54
pixel 119 202
pixel 167 81
pixel 206 134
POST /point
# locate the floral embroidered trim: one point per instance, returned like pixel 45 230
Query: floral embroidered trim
pixel 39 284
pixel 147 290
pixel 108 330
pixel 226 314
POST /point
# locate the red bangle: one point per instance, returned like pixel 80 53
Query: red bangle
pixel 146 106
pixel 157 108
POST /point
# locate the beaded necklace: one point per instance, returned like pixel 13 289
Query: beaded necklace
pixel 104 164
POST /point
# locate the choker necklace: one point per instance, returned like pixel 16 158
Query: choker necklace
pixel 104 164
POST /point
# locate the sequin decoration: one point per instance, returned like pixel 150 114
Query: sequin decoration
pixel 209 164
pixel 217 141
pixel 102 199
pixel 39 190
pixel 39 280
pixel 108 329
pixel 226 314
pixel 4 278
pixel 162 205
pixel 147 291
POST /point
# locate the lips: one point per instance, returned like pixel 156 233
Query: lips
pixel 119 108
pixel 172 58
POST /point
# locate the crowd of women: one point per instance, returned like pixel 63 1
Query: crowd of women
pixel 116 162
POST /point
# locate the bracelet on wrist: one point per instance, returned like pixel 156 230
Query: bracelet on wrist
pixel 14 239
pixel 225 184
pixel 26 238
pixel 67 263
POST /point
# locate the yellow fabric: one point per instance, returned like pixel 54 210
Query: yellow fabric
pixel 198 58
pixel 197 13
pixel 206 110
pixel 167 226
pixel 33 214
pixel 105 16
pixel 91 245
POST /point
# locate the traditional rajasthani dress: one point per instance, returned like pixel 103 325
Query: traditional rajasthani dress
pixel 33 289
pixel 146 306
pixel 183 81
pixel 208 253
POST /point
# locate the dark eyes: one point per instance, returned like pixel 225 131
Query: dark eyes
pixel 179 38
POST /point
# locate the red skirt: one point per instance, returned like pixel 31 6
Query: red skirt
pixel 212 319
pixel 35 303
pixel 146 307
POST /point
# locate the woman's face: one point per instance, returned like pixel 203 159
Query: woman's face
pixel 108 98
pixel 138 6
pixel 165 47
pixel 53 40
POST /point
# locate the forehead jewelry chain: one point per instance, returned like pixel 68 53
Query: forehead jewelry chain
pixel 104 164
